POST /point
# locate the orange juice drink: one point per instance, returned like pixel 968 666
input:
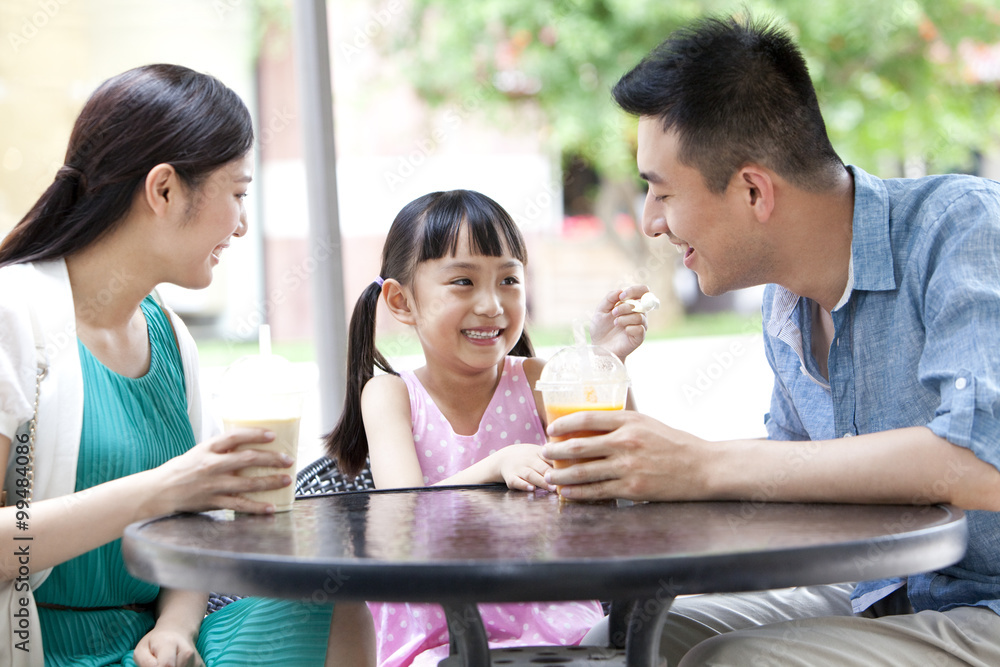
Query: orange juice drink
pixel 553 412
pixel 581 378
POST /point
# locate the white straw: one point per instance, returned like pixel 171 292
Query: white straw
pixel 264 339
pixel 580 331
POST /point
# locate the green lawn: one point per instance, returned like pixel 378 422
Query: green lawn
pixel 217 352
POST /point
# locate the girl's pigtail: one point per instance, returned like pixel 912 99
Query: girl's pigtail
pixel 348 442
pixel 523 347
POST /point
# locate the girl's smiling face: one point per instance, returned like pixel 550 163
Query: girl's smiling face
pixel 468 309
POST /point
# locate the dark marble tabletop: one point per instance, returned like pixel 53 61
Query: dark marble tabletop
pixel 462 544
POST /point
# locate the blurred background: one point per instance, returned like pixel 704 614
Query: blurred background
pixel 509 97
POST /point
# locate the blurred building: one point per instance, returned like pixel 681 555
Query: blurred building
pixel 391 148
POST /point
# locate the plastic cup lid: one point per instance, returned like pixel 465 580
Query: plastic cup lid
pixel 582 364
pixel 259 374
pixel 259 387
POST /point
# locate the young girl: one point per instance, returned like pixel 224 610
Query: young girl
pixel 453 268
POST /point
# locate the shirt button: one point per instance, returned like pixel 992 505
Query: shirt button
pixel 848 434
pixel 960 383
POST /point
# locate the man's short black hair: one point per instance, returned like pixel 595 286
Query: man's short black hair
pixel 736 92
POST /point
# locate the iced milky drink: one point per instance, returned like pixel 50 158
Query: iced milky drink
pixel 286 440
pixel 261 391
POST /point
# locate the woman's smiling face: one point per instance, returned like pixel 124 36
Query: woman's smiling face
pixel 215 215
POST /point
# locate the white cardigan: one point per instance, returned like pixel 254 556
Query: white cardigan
pixel 44 287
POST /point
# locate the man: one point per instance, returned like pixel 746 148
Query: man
pixel 880 316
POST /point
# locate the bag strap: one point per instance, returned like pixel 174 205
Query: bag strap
pixel 43 369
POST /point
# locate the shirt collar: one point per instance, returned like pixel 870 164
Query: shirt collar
pixel 870 266
pixel 871 252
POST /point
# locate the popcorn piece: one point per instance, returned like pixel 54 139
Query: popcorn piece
pixel 647 303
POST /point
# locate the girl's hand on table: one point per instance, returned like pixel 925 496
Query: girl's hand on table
pixel 523 468
pixel 205 476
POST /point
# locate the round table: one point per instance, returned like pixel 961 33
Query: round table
pixel 460 545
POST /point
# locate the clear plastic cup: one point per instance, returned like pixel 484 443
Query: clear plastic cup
pixel 264 391
pixel 581 377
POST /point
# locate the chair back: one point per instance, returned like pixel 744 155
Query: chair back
pixel 322 477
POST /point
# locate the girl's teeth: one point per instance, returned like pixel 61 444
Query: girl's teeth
pixel 482 334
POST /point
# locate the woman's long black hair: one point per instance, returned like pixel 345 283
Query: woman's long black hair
pixel 427 228
pixel 134 121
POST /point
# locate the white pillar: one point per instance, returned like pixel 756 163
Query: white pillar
pixel 312 55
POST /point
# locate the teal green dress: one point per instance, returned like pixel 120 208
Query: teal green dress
pixel 131 425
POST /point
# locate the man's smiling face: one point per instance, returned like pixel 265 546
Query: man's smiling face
pixel 715 232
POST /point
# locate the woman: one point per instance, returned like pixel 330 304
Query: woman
pixel 158 165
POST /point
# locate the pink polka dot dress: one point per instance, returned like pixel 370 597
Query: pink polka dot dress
pixel 417 634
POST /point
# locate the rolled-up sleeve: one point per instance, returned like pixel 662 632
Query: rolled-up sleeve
pixel 961 357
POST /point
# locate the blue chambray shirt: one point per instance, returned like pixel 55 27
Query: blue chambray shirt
pixel 917 343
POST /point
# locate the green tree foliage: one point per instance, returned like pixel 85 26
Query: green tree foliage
pixel 892 76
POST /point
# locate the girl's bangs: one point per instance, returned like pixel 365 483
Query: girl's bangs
pixel 492 232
